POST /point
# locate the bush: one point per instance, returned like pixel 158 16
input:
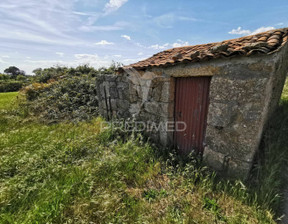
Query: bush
pixel 33 91
pixel 56 73
pixel 10 85
pixel 72 98
pixel 62 93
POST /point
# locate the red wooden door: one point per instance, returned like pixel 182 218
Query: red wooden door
pixel 191 107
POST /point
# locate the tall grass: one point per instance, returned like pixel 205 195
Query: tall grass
pixel 78 173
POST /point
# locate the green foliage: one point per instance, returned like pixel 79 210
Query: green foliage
pixel 14 71
pixel 63 93
pixel 46 74
pixel 58 72
pixel 33 91
pixel 10 85
pixel 4 77
pixel 152 194
pixel 212 205
pixel 72 98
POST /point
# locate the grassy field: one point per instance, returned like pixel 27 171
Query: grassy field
pixel 6 100
pixel 68 173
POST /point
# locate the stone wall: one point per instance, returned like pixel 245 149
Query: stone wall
pixel 143 97
pixel 113 97
pixel 241 101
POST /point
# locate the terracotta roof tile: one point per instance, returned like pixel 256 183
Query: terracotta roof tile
pixel 261 43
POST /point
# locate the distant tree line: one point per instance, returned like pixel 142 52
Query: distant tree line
pixel 13 79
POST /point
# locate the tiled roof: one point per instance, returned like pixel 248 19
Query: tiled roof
pixel 261 43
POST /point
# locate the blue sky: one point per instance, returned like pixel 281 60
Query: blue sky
pixel 43 33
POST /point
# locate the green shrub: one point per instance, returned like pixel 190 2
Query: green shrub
pixel 72 98
pixel 58 72
pixel 10 85
pixel 33 91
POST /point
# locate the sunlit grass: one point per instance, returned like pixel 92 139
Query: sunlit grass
pixel 7 99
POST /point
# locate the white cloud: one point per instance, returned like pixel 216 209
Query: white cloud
pixel 169 20
pixel 33 37
pixel 263 29
pixel 159 47
pixel 126 37
pixel 185 18
pixel 178 43
pixel 5 56
pixel 60 54
pixel 130 60
pixel 86 56
pixel 104 42
pixel 120 25
pixel 240 31
pixel 92 59
pixel 113 5
pixel 38 21
pixel 140 53
pixel 99 28
pixel 117 55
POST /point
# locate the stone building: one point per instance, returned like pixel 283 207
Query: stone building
pixel 222 95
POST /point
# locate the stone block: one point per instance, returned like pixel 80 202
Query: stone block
pixel 113 104
pixel 167 95
pixel 122 85
pixel 221 114
pixel 113 92
pixel 226 165
pixel 135 108
pixel 152 107
pixel 123 105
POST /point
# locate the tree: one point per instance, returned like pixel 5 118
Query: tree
pixel 14 71
pixel 37 71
